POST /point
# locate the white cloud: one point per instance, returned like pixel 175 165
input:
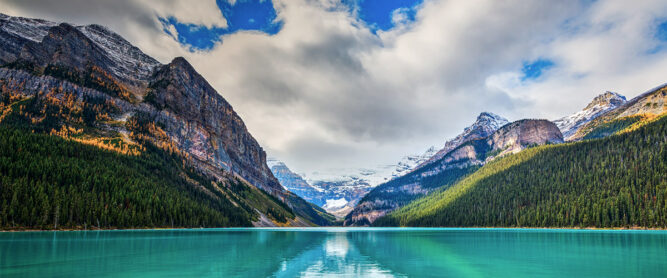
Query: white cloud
pixel 325 93
pixel 205 13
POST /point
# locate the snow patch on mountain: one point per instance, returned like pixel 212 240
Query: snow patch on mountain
pixel 335 204
pixel 408 163
pixel 130 61
pixel 569 125
pixel 32 29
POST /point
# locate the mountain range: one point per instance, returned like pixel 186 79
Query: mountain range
pixel 96 134
pixel 478 144
pixel 418 175
pixel 612 176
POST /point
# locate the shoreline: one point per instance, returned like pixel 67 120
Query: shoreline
pixel 341 227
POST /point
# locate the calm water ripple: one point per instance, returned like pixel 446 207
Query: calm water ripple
pixel 339 252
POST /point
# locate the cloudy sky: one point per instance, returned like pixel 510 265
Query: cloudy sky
pixel 329 85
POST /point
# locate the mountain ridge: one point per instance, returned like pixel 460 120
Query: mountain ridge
pixel 600 186
pixel 467 152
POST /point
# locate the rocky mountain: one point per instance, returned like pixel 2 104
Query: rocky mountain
pixel 569 125
pixel 535 186
pixel 517 136
pixel 485 124
pixel 558 186
pixel 137 99
pixel 461 160
pixel 339 194
pixel 643 107
pixel 295 183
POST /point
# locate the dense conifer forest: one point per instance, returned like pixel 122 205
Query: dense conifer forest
pixel 47 182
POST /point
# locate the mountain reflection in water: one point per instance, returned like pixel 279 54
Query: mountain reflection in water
pixel 347 252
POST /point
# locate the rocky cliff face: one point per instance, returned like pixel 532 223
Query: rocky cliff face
pixel 516 136
pixel 601 104
pixel 464 158
pixel 202 123
pixel 171 105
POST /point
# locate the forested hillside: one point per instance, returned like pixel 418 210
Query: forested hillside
pixel 617 181
pixel 47 182
pixel 165 124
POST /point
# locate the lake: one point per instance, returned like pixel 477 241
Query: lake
pixel 340 252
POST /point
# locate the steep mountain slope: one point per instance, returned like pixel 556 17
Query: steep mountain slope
pixel 92 84
pixel 648 104
pixel 460 161
pixel 601 104
pixel 617 181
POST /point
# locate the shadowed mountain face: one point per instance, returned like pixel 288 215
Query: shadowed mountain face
pixel 139 99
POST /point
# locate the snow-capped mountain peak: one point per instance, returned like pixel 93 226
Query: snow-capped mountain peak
pixel 602 103
pixel 127 61
pixel 606 99
pixel 484 126
pixel 489 120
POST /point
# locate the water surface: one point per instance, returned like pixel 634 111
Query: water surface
pixel 339 252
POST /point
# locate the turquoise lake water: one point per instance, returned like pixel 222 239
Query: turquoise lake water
pixel 339 252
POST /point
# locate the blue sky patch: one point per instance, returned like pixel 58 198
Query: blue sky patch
pixel 534 69
pixel 378 14
pixel 243 15
pixel 661 31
